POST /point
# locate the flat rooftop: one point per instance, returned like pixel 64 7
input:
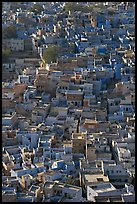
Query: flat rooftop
pixel 74 92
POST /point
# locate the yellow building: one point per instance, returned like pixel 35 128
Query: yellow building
pixel 26 180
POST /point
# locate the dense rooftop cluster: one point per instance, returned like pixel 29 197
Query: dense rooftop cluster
pixel 68 101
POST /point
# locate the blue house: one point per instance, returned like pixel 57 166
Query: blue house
pixel 102 50
pixel 101 21
pixel 70 166
pixel 117 70
pixel 58 165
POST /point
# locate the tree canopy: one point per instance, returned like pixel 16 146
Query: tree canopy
pixel 36 9
pixel 5 55
pixel 9 32
pixel 51 54
pixel 73 6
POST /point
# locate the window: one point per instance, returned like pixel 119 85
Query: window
pixel 116 103
pixel 99 179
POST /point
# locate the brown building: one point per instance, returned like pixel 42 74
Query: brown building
pixel 7 103
pixel 74 97
pixel 41 77
pixel 90 151
pixel 79 143
pixel 44 82
pixel 19 89
pixel 91 124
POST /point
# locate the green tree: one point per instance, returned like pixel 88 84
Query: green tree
pixel 36 9
pixel 98 6
pixel 9 32
pixel 73 6
pixel 5 55
pixel 51 54
pixel 111 12
pixel 44 19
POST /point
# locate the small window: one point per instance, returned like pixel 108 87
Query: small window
pixel 126 180
pixel 116 103
pixel 99 179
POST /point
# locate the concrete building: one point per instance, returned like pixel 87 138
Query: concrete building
pixel 79 143
pixel 14 44
pixel 62 192
pixel 74 97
